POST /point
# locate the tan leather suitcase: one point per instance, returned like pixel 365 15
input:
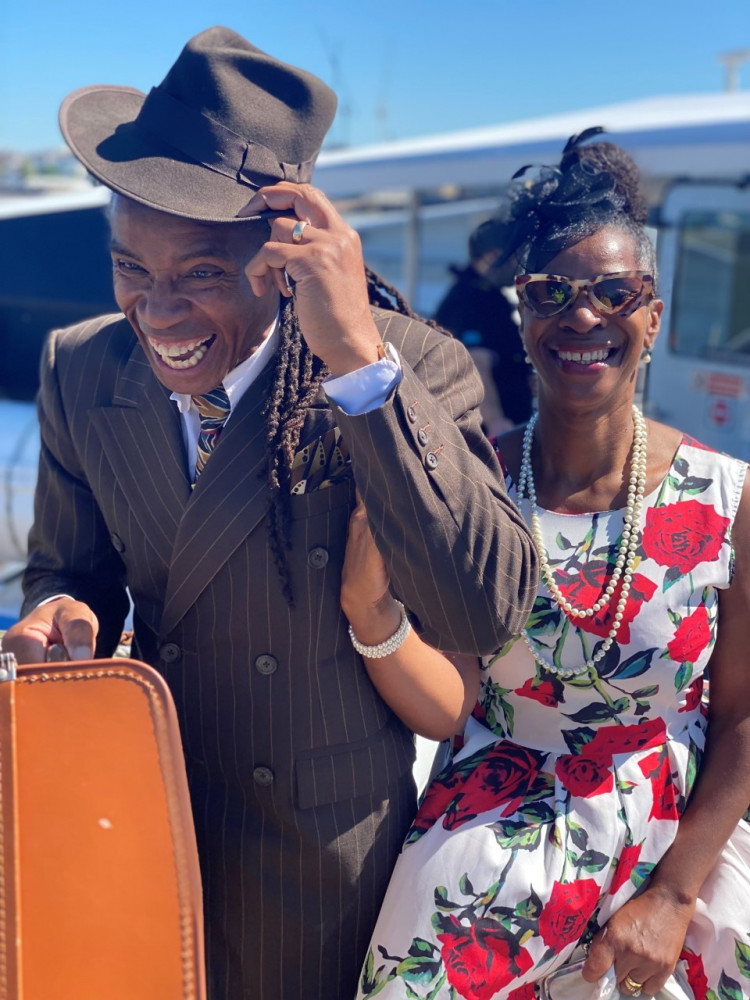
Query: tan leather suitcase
pixel 100 895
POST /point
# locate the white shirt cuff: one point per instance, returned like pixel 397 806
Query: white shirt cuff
pixel 366 388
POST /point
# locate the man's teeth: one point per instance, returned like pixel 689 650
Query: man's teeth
pixel 181 355
pixel 583 357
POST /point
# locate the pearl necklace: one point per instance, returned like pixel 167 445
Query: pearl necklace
pixel 625 556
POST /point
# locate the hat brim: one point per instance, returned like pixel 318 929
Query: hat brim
pixel 99 125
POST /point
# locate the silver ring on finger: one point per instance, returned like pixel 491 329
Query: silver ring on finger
pixel 299 229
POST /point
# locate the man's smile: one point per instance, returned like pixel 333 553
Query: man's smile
pixel 186 355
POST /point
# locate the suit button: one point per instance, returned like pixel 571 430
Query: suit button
pixel 317 557
pixel 266 664
pixel 117 542
pixel 411 414
pixel 263 776
pixel 422 436
pixel 170 652
pixel 431 460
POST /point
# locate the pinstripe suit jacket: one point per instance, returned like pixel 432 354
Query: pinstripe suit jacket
pixel 299 774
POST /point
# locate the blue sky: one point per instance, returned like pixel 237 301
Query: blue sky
pixel 400 68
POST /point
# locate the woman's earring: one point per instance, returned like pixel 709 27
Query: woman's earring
pixel 646 356
pixel 526 358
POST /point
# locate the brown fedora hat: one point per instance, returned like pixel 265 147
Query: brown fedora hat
pixel 226 120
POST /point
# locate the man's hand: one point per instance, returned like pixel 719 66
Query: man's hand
pixel 62 621
pixel 643 941
pixel 323 257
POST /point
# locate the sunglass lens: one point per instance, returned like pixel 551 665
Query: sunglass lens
pixel 547 296
pixel 618 293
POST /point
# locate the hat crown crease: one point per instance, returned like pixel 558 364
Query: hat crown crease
pixel 206 141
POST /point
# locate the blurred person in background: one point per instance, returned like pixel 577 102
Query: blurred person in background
pixel 479 309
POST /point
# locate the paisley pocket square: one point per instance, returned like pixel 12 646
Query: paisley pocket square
pixel 320 463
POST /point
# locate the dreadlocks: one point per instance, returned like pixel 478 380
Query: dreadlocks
pixel 296 381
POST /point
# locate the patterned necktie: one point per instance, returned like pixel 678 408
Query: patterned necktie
pixel 214 409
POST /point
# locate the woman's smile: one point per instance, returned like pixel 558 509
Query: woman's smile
pixel 584 359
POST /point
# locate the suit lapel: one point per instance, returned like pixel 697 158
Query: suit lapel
pixel 142 441
pixel 226 505
pixel 193 531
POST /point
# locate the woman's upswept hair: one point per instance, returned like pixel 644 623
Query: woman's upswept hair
pixel 548 209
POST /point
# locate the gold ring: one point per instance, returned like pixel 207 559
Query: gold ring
pixel 632 987
pixel 299 228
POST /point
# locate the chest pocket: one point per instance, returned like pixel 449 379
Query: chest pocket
pixel 320 463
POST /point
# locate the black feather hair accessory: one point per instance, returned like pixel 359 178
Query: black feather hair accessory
pixel 550 208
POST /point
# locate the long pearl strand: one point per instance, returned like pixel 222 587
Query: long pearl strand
pixel 626 553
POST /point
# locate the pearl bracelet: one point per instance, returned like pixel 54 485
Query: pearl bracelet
pixel 388 646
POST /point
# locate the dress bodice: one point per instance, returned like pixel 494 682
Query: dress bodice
pixel 655 668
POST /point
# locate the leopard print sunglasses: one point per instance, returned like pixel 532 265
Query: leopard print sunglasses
pixel 622 293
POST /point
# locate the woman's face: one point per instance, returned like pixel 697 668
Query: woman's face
pixel 583 356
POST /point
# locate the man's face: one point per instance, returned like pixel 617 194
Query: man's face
pixel 183 288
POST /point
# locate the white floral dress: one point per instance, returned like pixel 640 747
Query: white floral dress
pixel 567 793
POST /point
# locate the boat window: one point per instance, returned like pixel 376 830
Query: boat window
pixel 711 314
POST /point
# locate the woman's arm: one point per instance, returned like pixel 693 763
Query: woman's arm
pixel 432 693
pixel 645 937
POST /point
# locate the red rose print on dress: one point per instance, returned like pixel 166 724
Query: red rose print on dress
pixel 684 534
pixel 525 992
pixel 585 587
pixel 568 910
pixel 545 692
pixel 628 860
pixel 691 637
pixel 439 796
pixel 482 958
pixel 687 439
pixel 695 974
pixel 610 740
pixel 502 779
pixel 693 695
pixel 589 772
pixel 584 776
pixel 657 767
